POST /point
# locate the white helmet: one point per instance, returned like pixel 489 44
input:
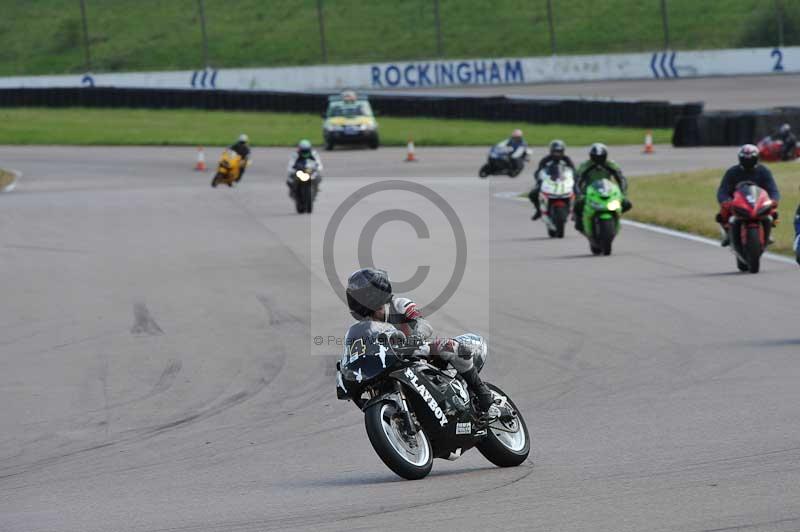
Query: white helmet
pixel 244 138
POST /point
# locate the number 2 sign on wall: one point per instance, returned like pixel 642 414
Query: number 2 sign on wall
pixel 778 55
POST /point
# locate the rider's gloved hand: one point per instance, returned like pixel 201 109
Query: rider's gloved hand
pixel 626 205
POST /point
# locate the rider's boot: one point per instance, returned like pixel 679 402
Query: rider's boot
pixel 726 238
pixel 577 213
pixel 534 197
pixel 488 410
pixel 797 248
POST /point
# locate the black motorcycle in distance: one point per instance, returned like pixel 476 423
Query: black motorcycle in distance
pixel 415 412
pixel 304 180
pixel 499 161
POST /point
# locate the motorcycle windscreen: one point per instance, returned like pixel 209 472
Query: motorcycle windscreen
pixel 366 360
pixel 604 187
pixel 751 193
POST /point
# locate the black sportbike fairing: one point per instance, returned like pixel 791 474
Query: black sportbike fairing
pixel 442 406
pixel 438 400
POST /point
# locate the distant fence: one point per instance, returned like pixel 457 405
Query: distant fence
pixel 196 34
pixel 731 128
pixel 646 114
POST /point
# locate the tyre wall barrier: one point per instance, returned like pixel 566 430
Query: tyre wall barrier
pixel 646 114
pixel 731 128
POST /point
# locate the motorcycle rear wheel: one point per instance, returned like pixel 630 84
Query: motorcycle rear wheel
pixel 387 436
pixel 508 444
pixel 484 171
pixel 753 249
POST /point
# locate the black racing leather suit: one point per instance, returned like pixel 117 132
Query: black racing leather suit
pixel 789 145
pixel 244 152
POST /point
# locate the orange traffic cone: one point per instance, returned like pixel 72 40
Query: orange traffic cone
pixel 410 158
pixel 648 142
pixel 201 160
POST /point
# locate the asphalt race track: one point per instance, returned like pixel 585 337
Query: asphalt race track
pixel 158 373
pixel 729 93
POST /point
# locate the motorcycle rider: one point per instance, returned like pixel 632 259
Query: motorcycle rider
pixel 517 150
pixel 371 302
pixel 797 234
pixel 242 147
pixel 748 169
pixel 789 142
pixel 599 166
pixel 557 154
pixel 304 153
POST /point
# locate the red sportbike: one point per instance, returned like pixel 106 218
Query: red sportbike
pixel 770 149
pixel 752 216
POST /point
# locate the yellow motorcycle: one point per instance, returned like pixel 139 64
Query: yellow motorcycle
pixel 229 169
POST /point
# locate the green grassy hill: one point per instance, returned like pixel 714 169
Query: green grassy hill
pixel 46 36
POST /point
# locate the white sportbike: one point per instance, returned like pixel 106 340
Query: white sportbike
pixel 556 196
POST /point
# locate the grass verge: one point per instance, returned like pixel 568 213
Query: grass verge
pixel 46 36
pixel 687 202
pixel 77 126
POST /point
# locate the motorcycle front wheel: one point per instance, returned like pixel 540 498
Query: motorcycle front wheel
pixel 484 171
pixel 605 234
pixel 299 202
pixel 305 199
pixel 559 217
pixel 507 442
pixel 753 250
pixel 410 457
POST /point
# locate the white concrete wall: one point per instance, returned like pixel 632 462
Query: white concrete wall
pixel 456 73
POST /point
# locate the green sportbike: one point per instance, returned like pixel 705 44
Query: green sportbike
pixel 602 211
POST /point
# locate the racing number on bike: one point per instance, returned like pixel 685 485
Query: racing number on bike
pixel 357 349
pixel 778 55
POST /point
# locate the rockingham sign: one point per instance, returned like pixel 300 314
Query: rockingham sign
pixel 466 72
pixel 473 72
